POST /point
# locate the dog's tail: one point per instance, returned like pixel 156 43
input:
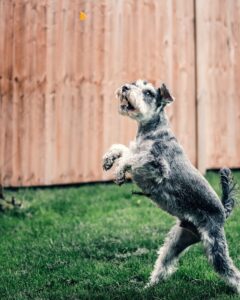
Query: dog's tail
pixel 228 190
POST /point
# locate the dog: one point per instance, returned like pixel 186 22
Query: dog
pixel 159 166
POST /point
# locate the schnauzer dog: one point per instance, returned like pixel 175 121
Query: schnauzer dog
pixel 161 169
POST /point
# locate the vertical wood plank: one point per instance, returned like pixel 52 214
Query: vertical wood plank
pixel 58 111
pixel 6 99
pixel 218 74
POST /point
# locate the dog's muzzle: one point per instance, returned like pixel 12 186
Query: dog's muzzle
pixel 125 104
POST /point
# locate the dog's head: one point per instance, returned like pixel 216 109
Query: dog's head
pixel 141 101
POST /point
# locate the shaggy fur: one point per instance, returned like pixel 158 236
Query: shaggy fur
pixel 159 166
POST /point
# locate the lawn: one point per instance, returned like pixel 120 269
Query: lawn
pixel 99 242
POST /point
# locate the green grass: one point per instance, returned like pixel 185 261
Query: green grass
pixel 99 242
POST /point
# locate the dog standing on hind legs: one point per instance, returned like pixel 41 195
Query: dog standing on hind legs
pixel 159 166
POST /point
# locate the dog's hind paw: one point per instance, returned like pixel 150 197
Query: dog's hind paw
pixel 149 285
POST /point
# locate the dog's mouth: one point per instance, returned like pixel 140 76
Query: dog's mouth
pixel 125 104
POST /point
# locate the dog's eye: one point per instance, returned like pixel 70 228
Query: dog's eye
pixel 148 93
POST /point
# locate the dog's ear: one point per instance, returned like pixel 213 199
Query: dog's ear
pixel 163 96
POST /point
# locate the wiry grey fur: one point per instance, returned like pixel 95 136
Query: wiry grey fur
pixel 159 166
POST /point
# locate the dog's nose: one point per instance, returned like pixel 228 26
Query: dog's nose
pixel 125 88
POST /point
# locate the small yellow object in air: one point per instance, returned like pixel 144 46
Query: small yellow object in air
pixel 83 16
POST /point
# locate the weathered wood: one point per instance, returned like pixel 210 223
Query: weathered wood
pixel 58 76
pixel 218 77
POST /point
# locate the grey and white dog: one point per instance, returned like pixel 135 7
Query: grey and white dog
pixel 160 167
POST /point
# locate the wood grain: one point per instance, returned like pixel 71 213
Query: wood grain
pixel 58 77
pixel 218 77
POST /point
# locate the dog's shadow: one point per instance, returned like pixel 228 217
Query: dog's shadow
pixel 170 290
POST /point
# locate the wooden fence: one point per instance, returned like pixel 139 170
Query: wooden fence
pixel 58 75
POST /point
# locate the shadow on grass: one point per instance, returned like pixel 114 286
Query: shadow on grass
pixel 171 290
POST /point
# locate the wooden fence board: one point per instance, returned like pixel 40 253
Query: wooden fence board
pixel 58 112
pixel 218 77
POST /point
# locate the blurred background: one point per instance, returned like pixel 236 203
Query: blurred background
pixel 59 72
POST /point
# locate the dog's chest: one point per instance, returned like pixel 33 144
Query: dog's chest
pixel 143 167
pixel 146 173
pixel 140 146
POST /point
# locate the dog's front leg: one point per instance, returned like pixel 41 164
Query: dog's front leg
pixel 115 152
pixel 124 165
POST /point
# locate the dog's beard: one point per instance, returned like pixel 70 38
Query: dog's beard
pixel 126 104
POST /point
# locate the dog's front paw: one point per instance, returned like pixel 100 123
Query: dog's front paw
pixel 120 178
pixel 108 161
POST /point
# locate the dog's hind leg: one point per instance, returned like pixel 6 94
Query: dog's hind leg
pixel 181 236
pixel 217 251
